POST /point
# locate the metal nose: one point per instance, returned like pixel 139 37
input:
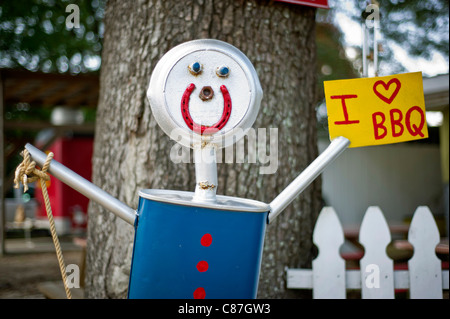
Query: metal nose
pixel 206 93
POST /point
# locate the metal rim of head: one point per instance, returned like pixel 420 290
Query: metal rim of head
pixel 201 63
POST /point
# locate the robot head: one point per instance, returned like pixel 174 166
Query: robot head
pixel 205 91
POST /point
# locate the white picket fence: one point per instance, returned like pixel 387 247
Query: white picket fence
pixel 376 278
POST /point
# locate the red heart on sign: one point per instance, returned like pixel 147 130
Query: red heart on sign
pixel 388 100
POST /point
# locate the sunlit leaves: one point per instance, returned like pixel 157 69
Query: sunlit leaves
pixel 34 35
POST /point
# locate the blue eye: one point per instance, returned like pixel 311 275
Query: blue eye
pixel 223 71
pixel 195 68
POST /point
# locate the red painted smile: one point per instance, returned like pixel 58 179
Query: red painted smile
pixel 204 129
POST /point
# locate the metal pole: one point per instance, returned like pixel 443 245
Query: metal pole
pixel 365 45
pixel 375 47
pixel 205 173
pixel 337 146
pixel 83 186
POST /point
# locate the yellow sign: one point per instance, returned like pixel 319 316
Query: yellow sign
pixel 379 110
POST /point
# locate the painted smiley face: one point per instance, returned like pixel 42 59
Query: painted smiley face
pixel 205 91
pixel 208 92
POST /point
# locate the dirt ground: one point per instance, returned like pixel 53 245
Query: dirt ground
pixel 27 264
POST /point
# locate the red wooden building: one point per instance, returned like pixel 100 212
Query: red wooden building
pixel 69 207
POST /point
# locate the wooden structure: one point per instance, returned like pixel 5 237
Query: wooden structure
pixel 38 90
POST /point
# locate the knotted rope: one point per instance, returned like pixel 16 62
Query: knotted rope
pixel 26 173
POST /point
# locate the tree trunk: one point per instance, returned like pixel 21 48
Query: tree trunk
pixel 131 152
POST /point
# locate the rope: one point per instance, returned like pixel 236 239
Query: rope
pixel 26 173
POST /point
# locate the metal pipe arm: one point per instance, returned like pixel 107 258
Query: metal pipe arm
pixel 298 185
pixel 82 185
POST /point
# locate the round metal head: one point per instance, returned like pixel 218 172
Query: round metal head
pixel 205 91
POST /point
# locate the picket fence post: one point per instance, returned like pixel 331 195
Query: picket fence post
pixel 425 274
pixel 376 278
pixel 377 269
pixel 329 267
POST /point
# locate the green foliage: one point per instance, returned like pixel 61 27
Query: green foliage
pixel 34 35
pixel 420 27
pixel 332 62
pixel 23 112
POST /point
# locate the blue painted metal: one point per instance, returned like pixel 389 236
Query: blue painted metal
pixel 168 248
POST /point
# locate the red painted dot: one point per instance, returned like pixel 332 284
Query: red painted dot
pixel 199 293
pixel 202 266
pixel 206 240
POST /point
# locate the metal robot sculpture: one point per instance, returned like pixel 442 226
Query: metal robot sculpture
pixel 205 94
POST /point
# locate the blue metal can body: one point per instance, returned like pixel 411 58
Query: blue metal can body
pixel 188 250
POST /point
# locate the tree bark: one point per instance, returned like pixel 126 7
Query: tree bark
pixel 131 152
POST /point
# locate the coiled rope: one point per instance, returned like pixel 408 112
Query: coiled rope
pixel 26 173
